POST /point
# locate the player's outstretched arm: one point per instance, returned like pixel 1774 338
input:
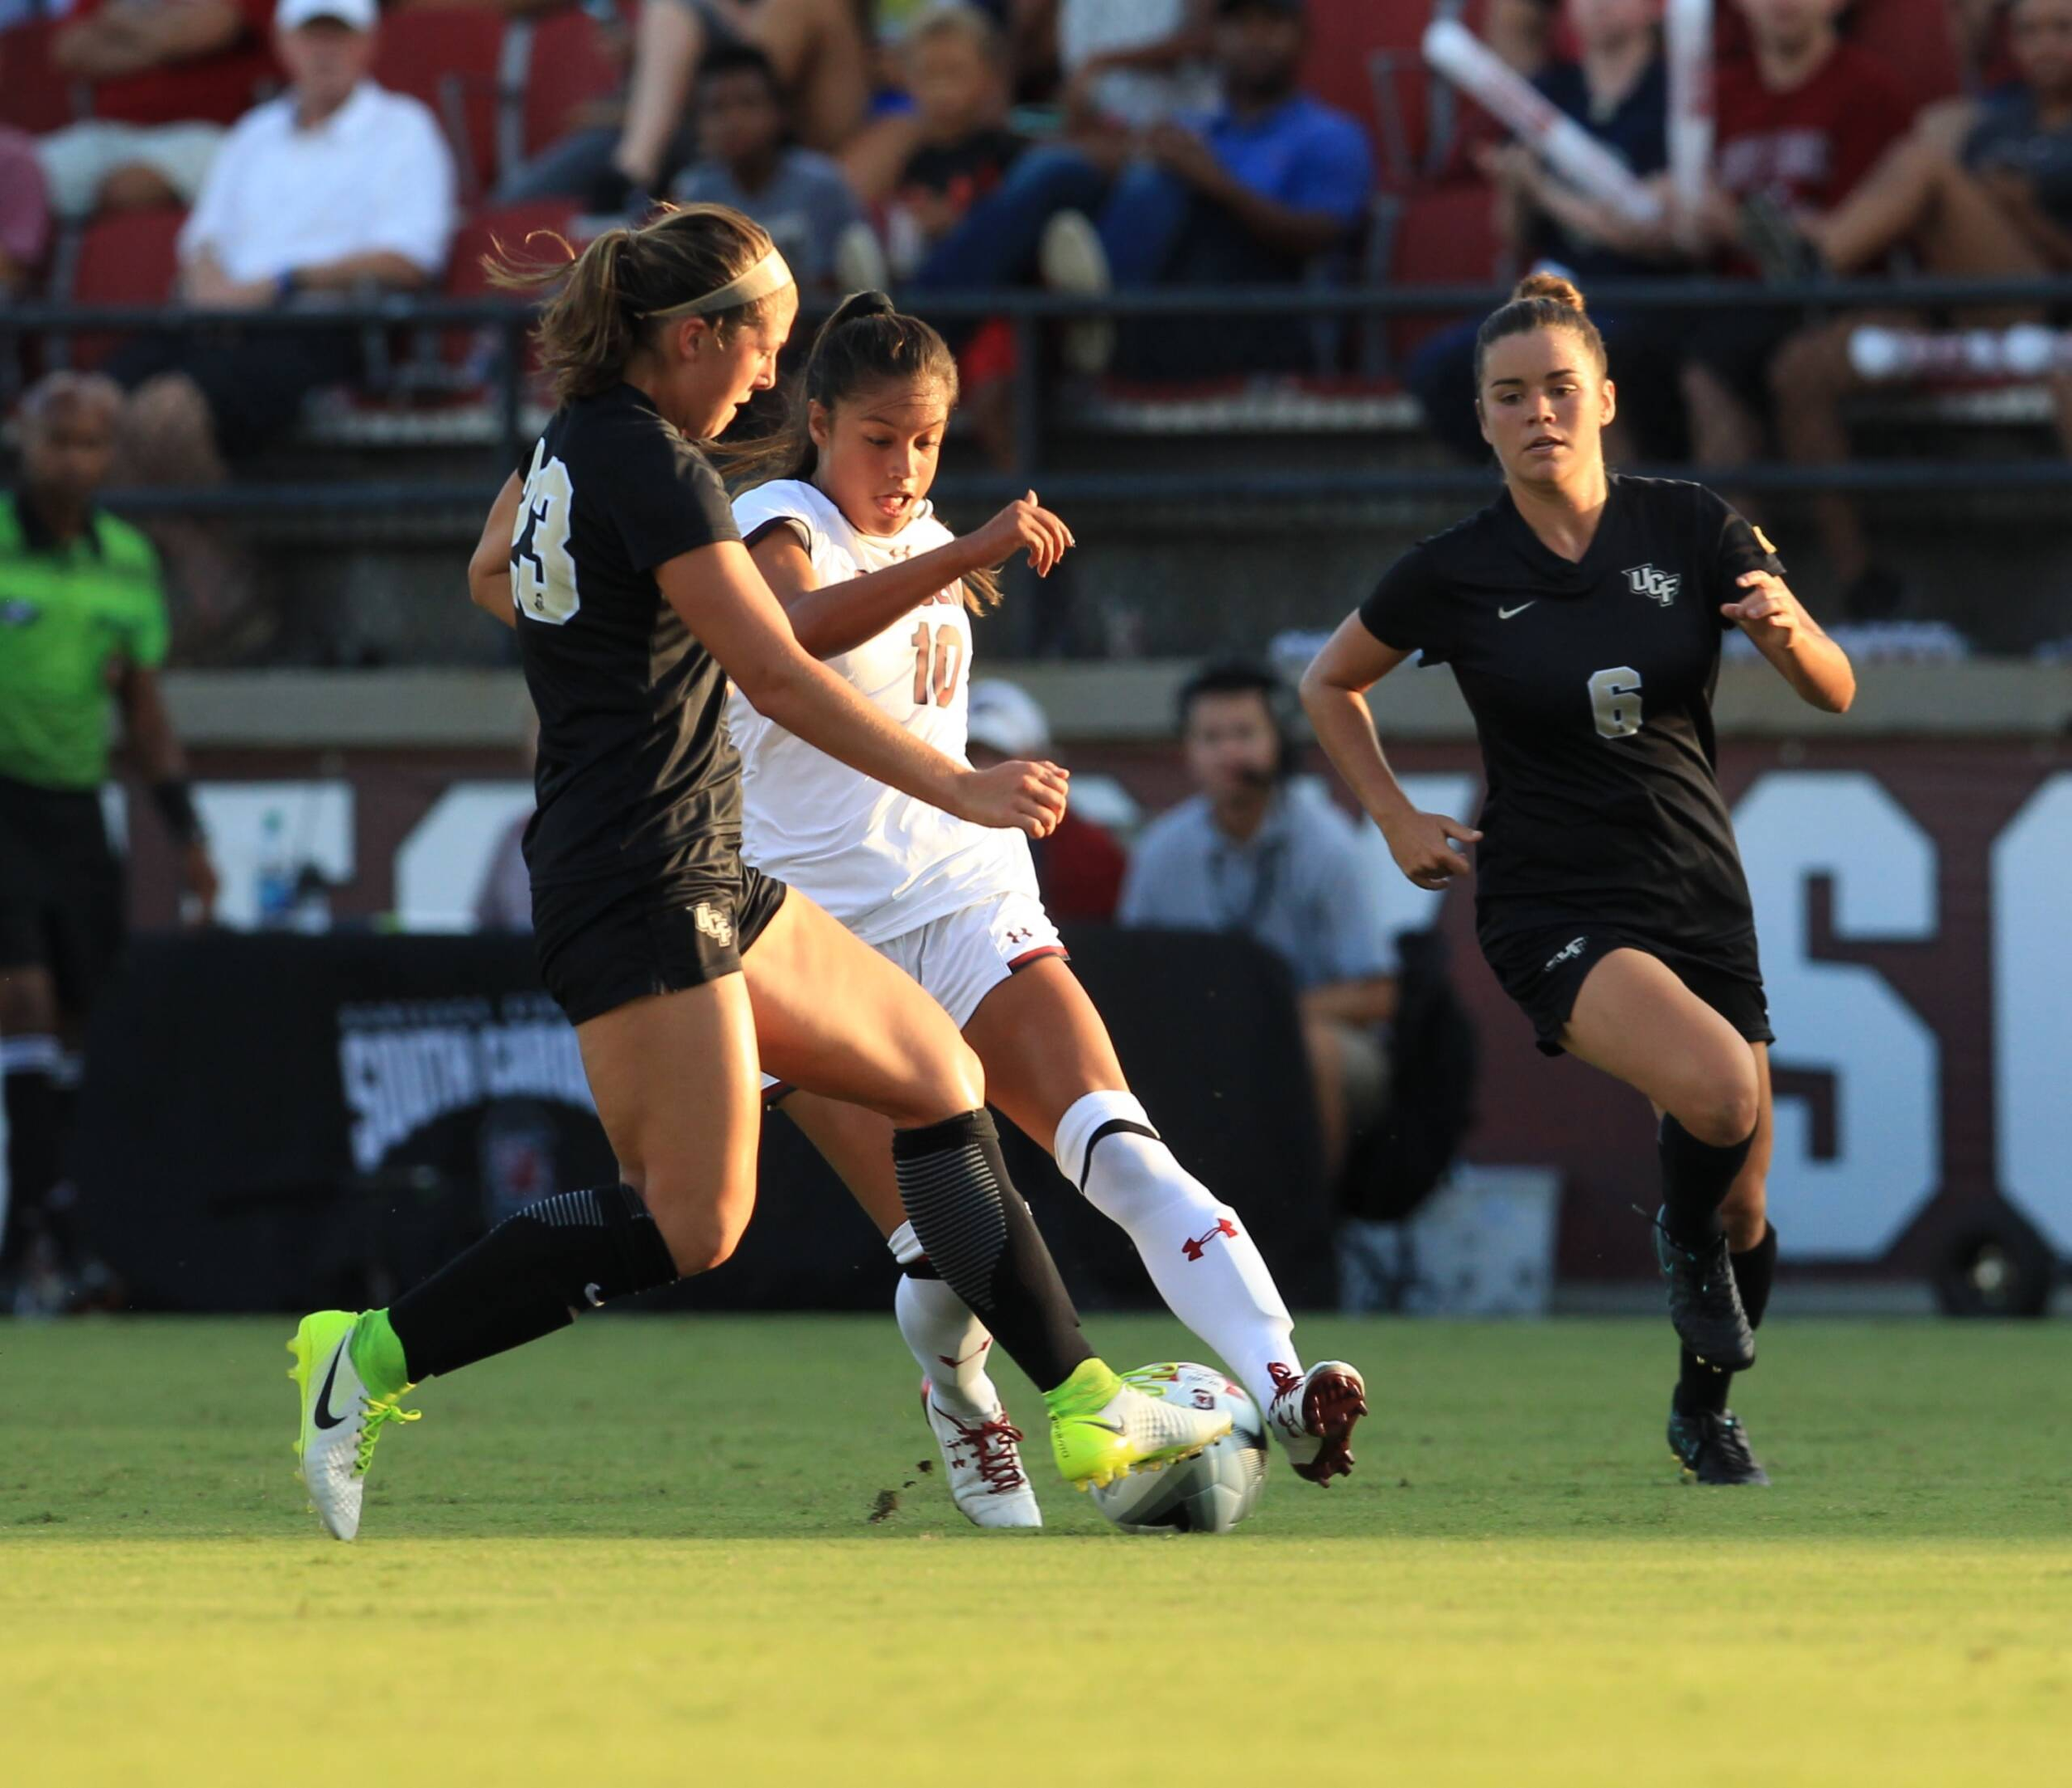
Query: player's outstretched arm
pixel 489 565
pixel 832 618
pixel 724 602
pixel 1425 846
pixel 1793 640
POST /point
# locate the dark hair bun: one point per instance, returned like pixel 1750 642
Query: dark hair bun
pixel 861 304
pixel 1549 285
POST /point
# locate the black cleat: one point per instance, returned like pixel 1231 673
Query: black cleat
pixel 1704 1303
pixel 1714 1450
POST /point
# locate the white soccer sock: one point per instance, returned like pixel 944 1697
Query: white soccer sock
pixel 949 1344
pixel 1205 1267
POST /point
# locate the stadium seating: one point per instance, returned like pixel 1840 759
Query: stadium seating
pixel 1363 58
pixel 567 65
pixel 130 257
pixel 1446 236
pixel 455 59
pixel 34 96
pixel 497 228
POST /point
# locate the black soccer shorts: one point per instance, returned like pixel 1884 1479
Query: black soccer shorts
pixel 604 944
pixel 1544 968
pixel 62 894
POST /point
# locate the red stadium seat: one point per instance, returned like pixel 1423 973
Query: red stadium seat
pixel 34 96
pixel 1443 237
pixel 1363 58
pixel 130 257
pixel 498 228
pixel 452 59
pixel 569 65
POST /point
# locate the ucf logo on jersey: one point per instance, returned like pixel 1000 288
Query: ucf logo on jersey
pixel 1657 586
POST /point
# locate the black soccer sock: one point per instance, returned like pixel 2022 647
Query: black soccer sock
pixel 529 1276
pixel 981 1239
pixel 1700 1386
pixel 36 1107
pixel 1696 1178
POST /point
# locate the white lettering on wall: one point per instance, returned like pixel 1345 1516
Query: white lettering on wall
pixel 1843 1019
pixel 2032 1008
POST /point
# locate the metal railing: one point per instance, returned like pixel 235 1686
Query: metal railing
pixel 1029 314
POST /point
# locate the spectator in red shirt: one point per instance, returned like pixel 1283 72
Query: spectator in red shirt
pixel 1801 119
pixel 1979 190
pixel 1079 868
pixel 25 212
pixel 167 77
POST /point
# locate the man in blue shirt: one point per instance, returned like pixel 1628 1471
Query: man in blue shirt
pixel 1271 185
pixel 1258 853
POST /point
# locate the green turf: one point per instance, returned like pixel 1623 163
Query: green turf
pixel 641 1553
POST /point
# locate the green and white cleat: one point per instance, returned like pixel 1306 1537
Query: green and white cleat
pixel 1101 1428
pixel 340 1421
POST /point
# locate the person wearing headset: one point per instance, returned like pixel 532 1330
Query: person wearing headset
pixel 1257 853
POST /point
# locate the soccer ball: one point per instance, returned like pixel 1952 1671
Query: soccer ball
pixel 1214 1491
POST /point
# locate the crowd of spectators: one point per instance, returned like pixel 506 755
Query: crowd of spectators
pixel 1086 145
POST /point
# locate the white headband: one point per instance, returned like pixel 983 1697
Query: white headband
pixel 768 275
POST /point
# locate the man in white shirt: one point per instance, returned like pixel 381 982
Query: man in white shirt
pixel 337 187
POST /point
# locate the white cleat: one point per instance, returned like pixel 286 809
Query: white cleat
pixel 1313 1414
pixel 983 1461
pixel 340 1421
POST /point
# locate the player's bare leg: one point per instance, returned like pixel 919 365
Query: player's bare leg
pixel 1634 1019
pixel 835 1017
pixel 686 1148
pixel 1704 1434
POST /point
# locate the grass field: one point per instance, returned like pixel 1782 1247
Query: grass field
pixel 641 1553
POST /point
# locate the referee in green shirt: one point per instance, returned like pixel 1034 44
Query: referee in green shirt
pixel 82 633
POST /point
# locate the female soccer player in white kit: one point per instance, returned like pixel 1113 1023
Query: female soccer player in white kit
pixel 876 586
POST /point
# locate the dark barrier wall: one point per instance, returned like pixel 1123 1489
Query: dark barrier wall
pixel 1911 894
pixel 276 1122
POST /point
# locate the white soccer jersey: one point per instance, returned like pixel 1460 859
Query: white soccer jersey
pixel 880 860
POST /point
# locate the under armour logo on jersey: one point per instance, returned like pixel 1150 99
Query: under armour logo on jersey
pixel 1567 953
pixel 1019 936
pixel 713 923
pixel 1194 1247
pixel 1658 586
pixel 17 612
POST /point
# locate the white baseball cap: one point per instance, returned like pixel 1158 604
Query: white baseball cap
pixel 1007 718
pixel 361 15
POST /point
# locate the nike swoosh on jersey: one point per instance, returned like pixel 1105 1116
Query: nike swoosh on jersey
pixel 324 1418
pixel 1505 614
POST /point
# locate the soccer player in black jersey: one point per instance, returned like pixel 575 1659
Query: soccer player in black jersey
pixel 1582 613
pixel 616 559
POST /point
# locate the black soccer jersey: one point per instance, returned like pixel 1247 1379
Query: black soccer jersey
pixel 635 762
pixel 1591 685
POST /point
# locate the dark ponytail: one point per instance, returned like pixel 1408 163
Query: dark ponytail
pixel 866 343
pixel 610 292
pixel 1541 302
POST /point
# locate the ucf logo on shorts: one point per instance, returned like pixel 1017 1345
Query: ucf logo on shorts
pixel 714 922
pixel 1657 586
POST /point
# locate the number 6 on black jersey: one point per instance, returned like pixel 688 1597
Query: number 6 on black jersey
pixel 1615 701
